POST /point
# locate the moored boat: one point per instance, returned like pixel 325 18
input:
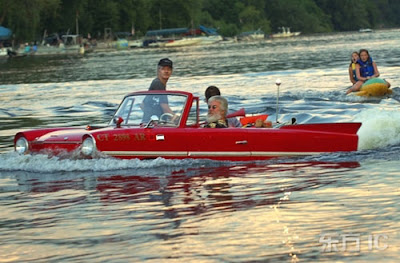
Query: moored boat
pixel 285 33
pixel 3 53
pixel 365 30
pixel 208 40
pixel 182 42
pixel 251 35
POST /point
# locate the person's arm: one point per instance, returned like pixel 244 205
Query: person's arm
pixel 166 109
pixel 376 71
pixel 351 76
pixel 358 74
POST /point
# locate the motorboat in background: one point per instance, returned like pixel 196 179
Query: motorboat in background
pixel 182 42
pixel 365 30
pixel 3 53
pixel 208 40
pixel 5 35
pixel 205 35
pixel 158 38
pixel 251 35
pixel 66 45
pixel 178 37
pixel 285 33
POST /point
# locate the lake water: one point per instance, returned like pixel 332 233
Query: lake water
pixel 339 207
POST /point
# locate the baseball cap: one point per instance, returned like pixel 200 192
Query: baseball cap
pixel 165 62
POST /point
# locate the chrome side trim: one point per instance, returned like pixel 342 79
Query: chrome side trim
pixel 205 154
pixel 59 142
pixel 202 154
pixel 284 153
pixel 144 153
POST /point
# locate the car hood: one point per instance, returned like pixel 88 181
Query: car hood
pixel 64 135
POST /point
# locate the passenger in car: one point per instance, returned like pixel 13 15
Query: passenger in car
pixel 217 109
pixel 211 91
pixel 214 91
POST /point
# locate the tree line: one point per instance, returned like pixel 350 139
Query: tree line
pixel 29 19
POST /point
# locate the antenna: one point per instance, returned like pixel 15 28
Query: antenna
pixel 278 83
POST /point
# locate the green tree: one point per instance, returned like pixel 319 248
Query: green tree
pixel 170 14
pixel 251 18
pixel 299 15
pixel 223 10
pixel 350 15
pixel 28 19
pixel 24 16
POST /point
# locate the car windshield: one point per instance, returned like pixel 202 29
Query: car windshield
pixel 139 109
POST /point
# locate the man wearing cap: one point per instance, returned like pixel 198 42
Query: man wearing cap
pixel 158 104
pixel 164 72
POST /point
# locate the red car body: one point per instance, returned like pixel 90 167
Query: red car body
pixel 130 136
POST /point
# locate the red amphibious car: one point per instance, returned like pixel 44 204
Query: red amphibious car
pixel 140 130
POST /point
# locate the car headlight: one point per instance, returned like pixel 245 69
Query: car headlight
pixel 88 146
pixel 21 145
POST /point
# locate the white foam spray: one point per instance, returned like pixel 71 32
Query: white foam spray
pixel 380 127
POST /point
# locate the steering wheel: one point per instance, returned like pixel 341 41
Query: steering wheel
pixel 166 117
pixel 170 118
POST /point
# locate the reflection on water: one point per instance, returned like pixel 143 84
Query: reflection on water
pixel 252 212
pixel 143 210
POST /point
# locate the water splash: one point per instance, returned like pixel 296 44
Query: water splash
pixel 44 164
pixel 380 127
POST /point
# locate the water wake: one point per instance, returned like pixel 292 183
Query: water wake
pixel 380 127
pixel 44 164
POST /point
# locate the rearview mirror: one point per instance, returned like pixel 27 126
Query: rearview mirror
pixel 118 120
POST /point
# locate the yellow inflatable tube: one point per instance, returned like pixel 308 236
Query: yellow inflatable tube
pixel 375 87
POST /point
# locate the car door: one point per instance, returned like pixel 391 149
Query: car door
pixel 217 143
